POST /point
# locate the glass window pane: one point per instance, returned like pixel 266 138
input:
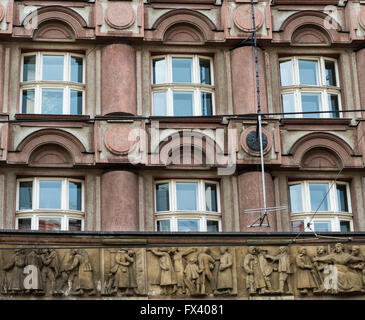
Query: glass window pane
pixel 182 70
pixel 162 197
pixel 76 102
pixel 50 194
pixel 52 101
pixel 212 226
pixel 288 104
pixel 207 104
pixel 183 103
pixel 159 104
pixel 205 77
pixel 28 101
pixel 49 224
pixel 74 224
pixel 286 73
pixel 297 226
pixel 345 226
pixel 25 195
pixel 188 225
pixel 211 197
pixel 25 224
pixel 333 106
pixel 319 192
pixel 311 102
pixel 295 191
pixel 76 69
pixel 159 71
pixel 29 68
pixel 342 198
pixel 330 73
pixel 53 67
pixel 322 226
pixel 308 71
pixel 187 195
pixel 75 195
pixel 163 225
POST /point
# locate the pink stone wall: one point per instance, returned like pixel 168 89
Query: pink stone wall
pixel 119 201
pixel 361 75
pixel 244 80
pixel 250 197
pixel 118 79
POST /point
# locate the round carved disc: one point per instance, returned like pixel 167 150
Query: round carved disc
pixel 242 18
pixel 120 140
pixel 119 15
pixel 253 142
pixel 2 12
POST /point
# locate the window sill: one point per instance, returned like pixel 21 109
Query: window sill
pixel 314 121
pixel 191 119
pixel 50 117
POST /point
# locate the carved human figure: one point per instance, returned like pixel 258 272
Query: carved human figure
pixel 177 257
pixel 192 276
pixel 306 280
pixel 358 266
pixel 206 264
pixel 133 286
pixel 266 270
pixel 346 279
pixel 320 269
pixel 67 276
pixel 284 269
pixel 51 268
pixel 224 277
pixel 33 258
pixel 255 281
pixel 167 276
pixel 83 281
pixel 16 267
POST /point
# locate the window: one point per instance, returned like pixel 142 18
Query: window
pixel 187 205
pixel 182 86
pixel 50 204
pixel 330 200
pixel 310 84
pixel 52 83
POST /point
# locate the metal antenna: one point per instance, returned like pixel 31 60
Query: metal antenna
pixel 264 211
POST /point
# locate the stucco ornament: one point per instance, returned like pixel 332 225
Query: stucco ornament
pixel 120 140
pixel 242 18
pixel 119 15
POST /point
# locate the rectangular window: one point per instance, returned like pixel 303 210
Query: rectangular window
pixel 187 225
pixel 162 197
pixel 49 224
pixel 74 225
pixel 75 195
pixel 77 69
pixel 207 104
pixel 345 226
pixel 163 225
pixel 25 195
pixel 295 191
pixel 29 68
pixel 50 194
pixel 286 73
pixel 186 195
pixel 318 196
pixel 342 198
pixel 25 224
pixel 308 71
pixel 183 103
pixel 311 102
pixel 52 101
pixel 182 70
pixel 205 71
pixel 322 226
pixel 288 105
pixel 297 226
pixel 211 197
pixel 52 68
pixel 212 226
pixel 28 101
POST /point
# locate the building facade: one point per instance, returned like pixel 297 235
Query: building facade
pixel 140 117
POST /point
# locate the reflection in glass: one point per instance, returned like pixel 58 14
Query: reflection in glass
pixel 286 71
pixel 212 226
pixel 295 191
pixel 76 69
pixel 159 104
pixel 182 70
pixel 163 225
pixel 50 194
pixel 183 103
pixel 211 197
pixel 297 226
pixel 333 105
pixel 319 196
pixel 74 224
pixel 186 195
pixel 205 71
pixel 187 225
pixel 288 105
pixel 159 71
pixel 162 197
pixel 342 198
pixel 49 224
pixel 28 101
pixel 53 67
pixel 330 73
pixel 345 226
pixel 322 226
pixel 75 195
pixel 25 195
pixel 29 68
pixel 52 101
pixel 207 104
pixel 25 224
pixel 308 71
pixel 311 102
pixel 75 102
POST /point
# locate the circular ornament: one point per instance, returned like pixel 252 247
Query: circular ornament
pixel 253 141
pixel 119 15
pixel 250 142
pixel 120 140
pixel 242 18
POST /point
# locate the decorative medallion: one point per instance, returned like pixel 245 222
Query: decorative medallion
pixel 120 140
pixel 242 18
pixel 253 141
pixel 250 142
pixel 119 15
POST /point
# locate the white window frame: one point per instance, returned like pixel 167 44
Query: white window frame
pixel 297 89
pixel 195 86
pixel 333 214
pixel 64 213
pixel 201 214
pixel 66 84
